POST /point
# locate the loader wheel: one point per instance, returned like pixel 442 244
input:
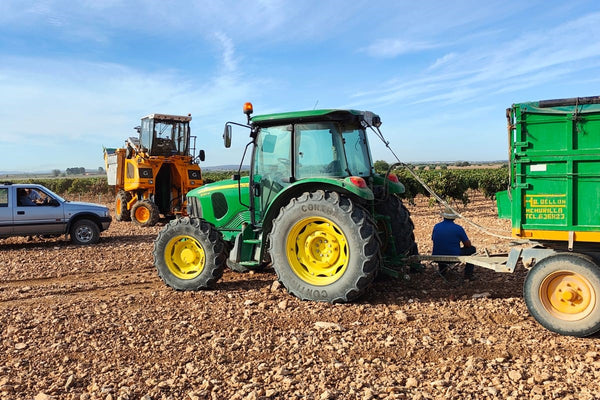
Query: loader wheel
pixel 84 232
pixel 189 254
pixel 121 211
pixel 399 230
pixel 562 292
pixel 145 213
pixel 324 247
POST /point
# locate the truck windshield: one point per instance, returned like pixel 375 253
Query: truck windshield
pixel 327 149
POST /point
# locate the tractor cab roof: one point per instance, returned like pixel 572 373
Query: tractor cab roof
pixel 168 117
pixel 313 116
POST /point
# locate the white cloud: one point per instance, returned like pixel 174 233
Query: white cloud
pixel 533 58
pixel 442 61
pixel 389 48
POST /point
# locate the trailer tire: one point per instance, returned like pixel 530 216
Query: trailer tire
pixel 324 247
pixel 145 213
pixel 401 225
pixel 562 293
pixel 121 211
pixel 189 254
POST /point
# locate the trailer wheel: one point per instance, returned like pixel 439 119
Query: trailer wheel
pixel 562 292
pixel 84 232
pixel 145 213
pixel 189 254
pixel 121 211
pixel 324 247
pixel 400 228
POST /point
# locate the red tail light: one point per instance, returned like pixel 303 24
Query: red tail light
pixel 358 181
pixel 393 178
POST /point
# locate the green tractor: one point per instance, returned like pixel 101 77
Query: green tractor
pixel 312 206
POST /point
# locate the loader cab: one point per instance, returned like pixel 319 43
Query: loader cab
pixel 165 135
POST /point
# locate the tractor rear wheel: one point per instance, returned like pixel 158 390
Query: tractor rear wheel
pixel 145 213
pixel 324 247
pixel 189 254
pixel 121 211
pixel 399 231
pixel 562 293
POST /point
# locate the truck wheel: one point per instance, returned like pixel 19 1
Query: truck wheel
pixel 189 254
pixel 324 247
pixel 121 211
pixel 145 213
pixel 561 293
pixel 84 232
pixel 400 228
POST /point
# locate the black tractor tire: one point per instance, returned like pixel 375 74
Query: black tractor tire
pixel 324 247
pixel 562 293
pixel 121 211
pixel 84 232
pixel 145 213
pixel 402 228
pixel 189 254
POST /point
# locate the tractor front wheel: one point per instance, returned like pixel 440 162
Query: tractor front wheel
pixel 189 254
pixel 324 247
pixel 145 213
pixel 121 211
pixel 562 293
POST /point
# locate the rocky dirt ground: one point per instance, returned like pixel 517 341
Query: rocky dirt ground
pixel 97 323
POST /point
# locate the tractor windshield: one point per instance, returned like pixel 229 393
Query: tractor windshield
pixel 327 149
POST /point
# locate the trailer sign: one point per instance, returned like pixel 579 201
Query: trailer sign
pixel 545 207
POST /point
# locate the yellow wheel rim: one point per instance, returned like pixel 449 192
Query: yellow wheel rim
pixel 317 251
pixel 142 214
pixel 118 206
pixel 185 257
pixel 567 295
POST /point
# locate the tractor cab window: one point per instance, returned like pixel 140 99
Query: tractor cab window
pixel 320 150
pixel 272 161
pixel 357 152
pixel 330 149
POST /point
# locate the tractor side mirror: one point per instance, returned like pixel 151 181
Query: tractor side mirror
pixel 201 155
pixel 227 136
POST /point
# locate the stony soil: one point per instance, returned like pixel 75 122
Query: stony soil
pixel 97 323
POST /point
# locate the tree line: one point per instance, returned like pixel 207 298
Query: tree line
pixel 450 184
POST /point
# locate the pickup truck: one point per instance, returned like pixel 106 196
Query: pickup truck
pixel 31 210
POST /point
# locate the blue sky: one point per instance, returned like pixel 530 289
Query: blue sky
pixel 76 76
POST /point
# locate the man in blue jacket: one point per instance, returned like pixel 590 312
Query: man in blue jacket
pixel 447 238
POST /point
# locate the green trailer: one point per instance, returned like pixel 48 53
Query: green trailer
pixel 554 202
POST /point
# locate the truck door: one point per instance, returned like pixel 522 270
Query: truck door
pixel 42 218
pixel 5 213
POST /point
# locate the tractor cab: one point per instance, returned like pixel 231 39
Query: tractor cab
pixel 165 135
pixel 293 147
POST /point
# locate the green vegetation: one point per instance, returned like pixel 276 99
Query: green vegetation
pixel 450 184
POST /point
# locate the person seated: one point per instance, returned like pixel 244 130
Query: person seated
pixel 447 238
pixel 23 198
